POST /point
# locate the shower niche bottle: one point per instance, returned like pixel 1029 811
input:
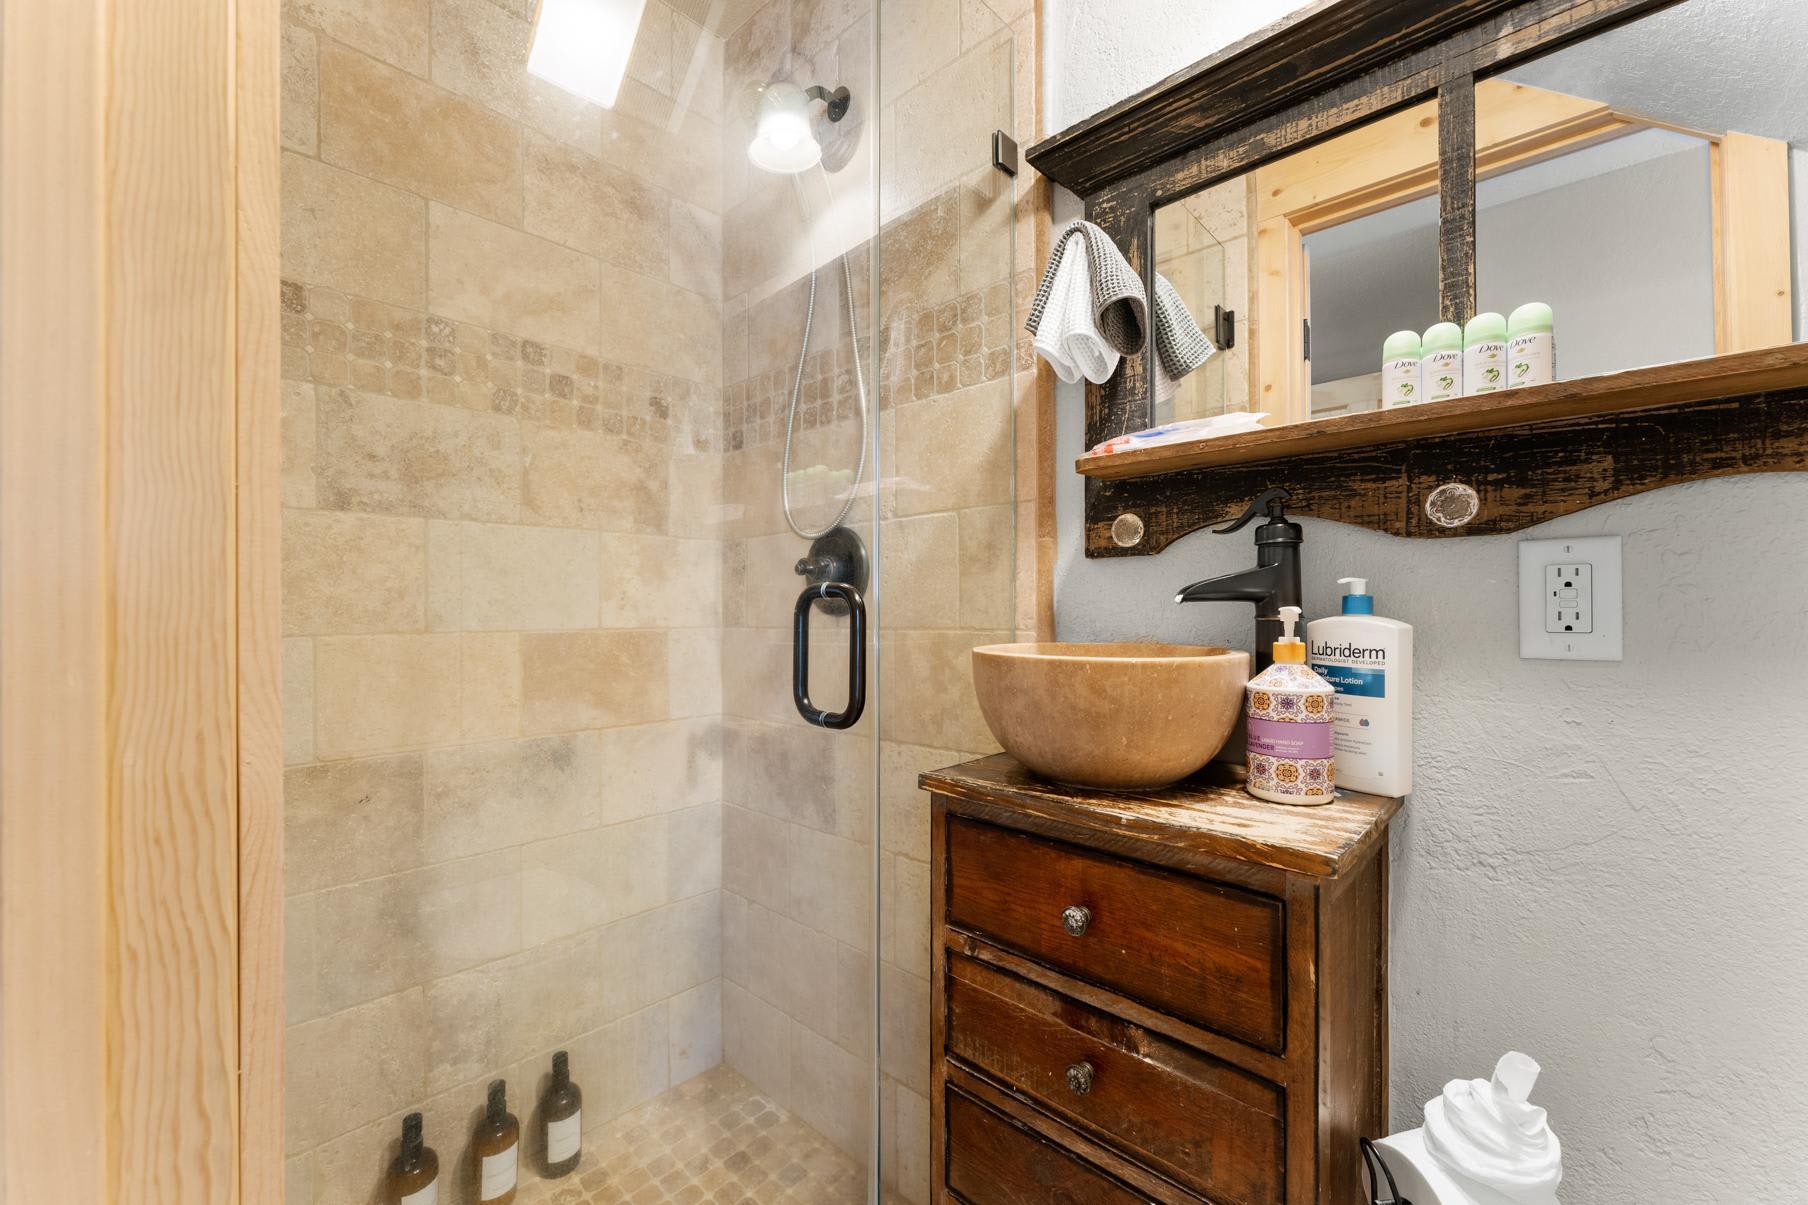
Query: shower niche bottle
pixel 562 1118
pixel 414 1174
pixel 497 1145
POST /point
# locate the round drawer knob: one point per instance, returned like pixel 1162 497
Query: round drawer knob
pixel 1075 919
pixel 1079 1078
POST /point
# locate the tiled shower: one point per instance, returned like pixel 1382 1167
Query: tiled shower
pixel 546 786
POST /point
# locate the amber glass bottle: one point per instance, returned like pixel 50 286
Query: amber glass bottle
pixel 414 1174
pixel 498 1148
pixel 562 1119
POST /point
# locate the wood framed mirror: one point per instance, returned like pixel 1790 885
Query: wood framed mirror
pixel 1398 164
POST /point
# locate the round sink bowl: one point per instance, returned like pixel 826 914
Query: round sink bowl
pixel 1119 716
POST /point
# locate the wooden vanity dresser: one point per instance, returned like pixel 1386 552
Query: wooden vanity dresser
pixel 1173 996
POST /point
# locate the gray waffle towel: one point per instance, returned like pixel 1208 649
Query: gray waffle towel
pixel 1179 342
pixel 1119 304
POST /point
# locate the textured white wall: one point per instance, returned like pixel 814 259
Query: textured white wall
pixel 1605 865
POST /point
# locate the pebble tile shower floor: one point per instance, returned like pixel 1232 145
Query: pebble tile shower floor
pixel 713 1139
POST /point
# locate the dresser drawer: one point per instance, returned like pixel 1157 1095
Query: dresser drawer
pixel 992 1161
pixel 1204 952
pixel 1202 1123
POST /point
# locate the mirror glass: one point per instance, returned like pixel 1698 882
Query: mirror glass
pixel 1638 183
pixel 1321 255
pixel 1202 251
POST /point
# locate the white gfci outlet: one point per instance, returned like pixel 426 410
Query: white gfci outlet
pixel 1570 599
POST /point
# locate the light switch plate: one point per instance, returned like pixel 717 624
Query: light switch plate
pixel 1570 599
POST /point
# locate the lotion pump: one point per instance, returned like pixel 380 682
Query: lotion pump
pixel 1290 726
pixel 1369 660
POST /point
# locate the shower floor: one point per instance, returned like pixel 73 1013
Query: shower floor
pixel 714 1138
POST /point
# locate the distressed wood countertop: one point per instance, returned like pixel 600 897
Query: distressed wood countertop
pixel 1208 814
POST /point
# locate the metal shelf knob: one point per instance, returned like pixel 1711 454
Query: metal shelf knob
pixel 1079 1078
pixel 1075 919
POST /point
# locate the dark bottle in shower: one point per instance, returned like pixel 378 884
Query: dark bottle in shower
pixel 497 1145
pixel 414 1173
pixel 561 1120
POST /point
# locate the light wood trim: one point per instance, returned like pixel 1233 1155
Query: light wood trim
pixel 53 665
pixel 259 540
pixel 138 264
pixel 1734 375
pixel 1281 382
pixel 1754 297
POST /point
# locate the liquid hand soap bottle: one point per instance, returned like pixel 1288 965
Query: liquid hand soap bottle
pixel 1290 726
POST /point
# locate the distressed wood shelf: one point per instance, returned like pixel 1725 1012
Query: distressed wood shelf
pixel 1538 455
pixel 1707 380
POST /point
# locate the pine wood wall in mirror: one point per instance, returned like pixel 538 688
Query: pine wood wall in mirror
pixel 1322 196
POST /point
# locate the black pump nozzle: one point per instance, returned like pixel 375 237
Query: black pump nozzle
pixel 498 1103
pixel 1270 502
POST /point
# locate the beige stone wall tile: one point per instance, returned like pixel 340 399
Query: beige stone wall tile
pixel 955 451
pixel 560 989
pixel 697 58
pixel 416 458
pixel 374 694
pixel 490 685
pixel 695 507
pixel 764 235
pixel 677 947
pixel 500 794
pixel 353 1067
pixel 817 24
pixel 755 50
pixel 916 39
pixel 904 1027
pixel 352 233
pixel 471 1034
pixel 987 199
pixel 833 1090
pixel 351 820
pixel 392 30
pixel 576 478
pixel 584 880
pixel 659 581
pixel 988 550
pixel 652 769
pixel 492 577
pixel 645 135
pixel 755 1042
pixel 832 886
pixel 626 1062
pixel 756 858
pixel 498 277
pixel 695 1038
pixel 649 322
pixel 923 570
pixel 694 666
pixel 297 444
pixel 908 915
pixel 298 700
pixel 650 62
pixel 572 680
pixel 920 257
pixel 396 128
pixel 344 573
pixel 300 89
pixel 786 769
pixel 750 504
pixel 853 998
pixel 694 852
pixel 301 1000
pixel 480 51
pixel 696 250
pixel 944 120
pixel 910 1126
pixel 737 962
pixel 585 203
pixel 903 805
pixel 926 692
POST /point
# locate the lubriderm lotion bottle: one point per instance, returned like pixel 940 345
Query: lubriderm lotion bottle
pixel 1368 659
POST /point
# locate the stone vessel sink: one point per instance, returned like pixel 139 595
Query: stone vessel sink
pixel 1119 716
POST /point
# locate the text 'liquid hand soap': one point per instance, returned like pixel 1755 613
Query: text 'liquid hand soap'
pixel 1290 726
pixel 1369 660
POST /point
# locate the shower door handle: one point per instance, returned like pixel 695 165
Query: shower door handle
pixel 800 655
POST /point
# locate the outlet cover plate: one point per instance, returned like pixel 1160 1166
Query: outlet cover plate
pixel 1599 556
